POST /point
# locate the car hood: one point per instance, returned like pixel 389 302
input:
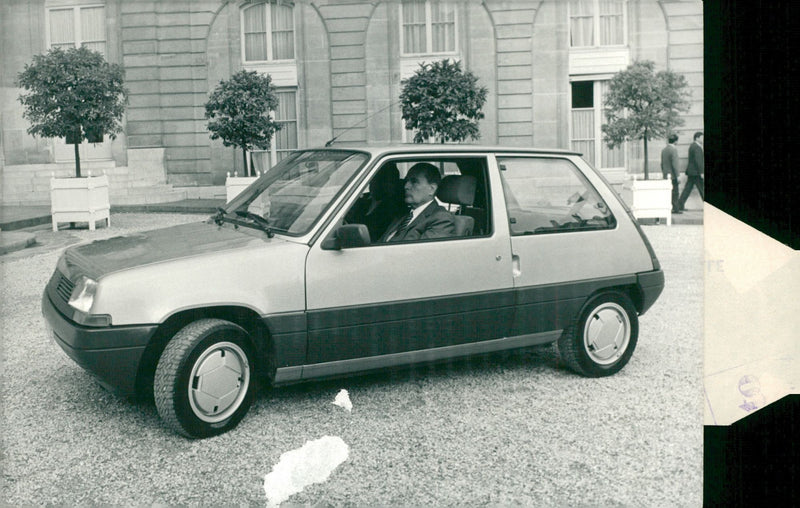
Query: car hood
pixel 102 257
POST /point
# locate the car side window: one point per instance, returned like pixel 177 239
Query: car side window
pixel 550 195
pixel 461 200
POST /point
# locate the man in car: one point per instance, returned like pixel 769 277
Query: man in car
pixel 425 218
pixel 382 205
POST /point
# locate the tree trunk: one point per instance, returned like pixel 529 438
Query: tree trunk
pixel 244 158
pixel 77 160
pixel 646 176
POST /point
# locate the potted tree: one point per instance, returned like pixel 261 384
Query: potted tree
pixel 442 102
pixel 239 113
pixel 642 104
pixel 74 94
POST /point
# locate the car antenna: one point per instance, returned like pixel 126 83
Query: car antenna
pixel 330 142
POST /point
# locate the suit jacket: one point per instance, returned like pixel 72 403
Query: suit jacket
pixel 696 165
pixel 669 162
pixel 433 222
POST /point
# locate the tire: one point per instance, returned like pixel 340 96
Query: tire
pixel 608 320
pixel 211 354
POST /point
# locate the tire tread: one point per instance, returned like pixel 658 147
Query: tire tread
pixel 170 364
pixel 569 345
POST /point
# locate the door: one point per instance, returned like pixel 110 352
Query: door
pixel 394 298
pixel 564 239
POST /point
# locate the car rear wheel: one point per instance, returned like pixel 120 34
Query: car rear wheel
pixel 602 339
pixel 204 382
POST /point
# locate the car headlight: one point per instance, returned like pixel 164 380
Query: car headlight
pixel 83 295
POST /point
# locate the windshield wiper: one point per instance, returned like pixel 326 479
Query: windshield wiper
pixel 257 219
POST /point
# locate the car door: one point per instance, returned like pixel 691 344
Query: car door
pixel 566 238
pixel 391 303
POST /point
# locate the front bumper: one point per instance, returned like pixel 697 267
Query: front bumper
pixel 111 353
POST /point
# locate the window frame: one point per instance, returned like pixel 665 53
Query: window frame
pixel 296 120
pixel 76 8
pixel 598 111
pixel 268 31
pixel 410 160
pixel 596 27
pixel 429 31
pixel 273 150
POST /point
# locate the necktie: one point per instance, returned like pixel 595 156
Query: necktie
pixel 403 224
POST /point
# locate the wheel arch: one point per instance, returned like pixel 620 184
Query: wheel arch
pixel 247 318
pixel 632 291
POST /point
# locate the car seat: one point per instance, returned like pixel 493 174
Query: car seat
pixel 459 190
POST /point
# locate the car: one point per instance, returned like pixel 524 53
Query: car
pixel 286 283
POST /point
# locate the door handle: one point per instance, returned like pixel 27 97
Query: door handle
pixel 516 270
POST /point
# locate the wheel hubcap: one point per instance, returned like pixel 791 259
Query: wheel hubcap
pixel 219 382
pixel 607 333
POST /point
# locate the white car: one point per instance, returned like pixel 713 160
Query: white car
pixel 287 283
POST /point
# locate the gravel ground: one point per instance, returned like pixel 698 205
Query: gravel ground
pixel 511 428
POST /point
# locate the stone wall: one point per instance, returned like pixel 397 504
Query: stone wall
pixel 348 72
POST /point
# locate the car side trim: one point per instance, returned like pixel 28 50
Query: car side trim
pixel 350 366
pixel 289 338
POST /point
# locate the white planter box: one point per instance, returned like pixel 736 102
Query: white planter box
pixel 80 200
pixel 617 177
pixel 236 184
pixel 649 199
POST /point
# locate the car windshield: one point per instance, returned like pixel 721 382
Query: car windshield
pixel 291 197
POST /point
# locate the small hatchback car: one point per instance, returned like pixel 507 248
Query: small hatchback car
pixel 314 271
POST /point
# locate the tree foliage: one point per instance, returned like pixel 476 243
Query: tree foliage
pixel 442 102
pixel 73 93
pixel 239 109
pixel 643 104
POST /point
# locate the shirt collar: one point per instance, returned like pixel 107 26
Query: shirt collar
pixel 418 210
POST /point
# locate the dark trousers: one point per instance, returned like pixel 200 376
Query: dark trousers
pixel 691 180
pixel 675 201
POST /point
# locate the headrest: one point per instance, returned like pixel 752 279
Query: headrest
pixel 457 189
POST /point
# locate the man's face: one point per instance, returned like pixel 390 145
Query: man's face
pixel 418 189
pixel 700 139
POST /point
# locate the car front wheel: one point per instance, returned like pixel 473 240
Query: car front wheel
pixel 602 339
pixel 204 382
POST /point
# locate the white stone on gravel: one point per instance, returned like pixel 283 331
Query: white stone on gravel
pixel 311 463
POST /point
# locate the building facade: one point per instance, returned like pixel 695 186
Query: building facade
pixel 338 67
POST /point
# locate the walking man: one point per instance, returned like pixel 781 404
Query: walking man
pixel 694 170
pixel 670 169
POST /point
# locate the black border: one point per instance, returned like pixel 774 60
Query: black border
pixel 752 146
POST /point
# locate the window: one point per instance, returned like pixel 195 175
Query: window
pixel 587 117
pixel 70 27
pixel 285 140
pixel 286 116
pixel 597 23
pixel 463 191
pixel 268 32
pixel 548 195
pixel 427 27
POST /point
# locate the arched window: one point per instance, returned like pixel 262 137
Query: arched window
pixel 428 27
pixel 80 25
pixel 267 32
pixel 594 23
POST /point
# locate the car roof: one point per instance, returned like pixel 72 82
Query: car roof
pixel 416 148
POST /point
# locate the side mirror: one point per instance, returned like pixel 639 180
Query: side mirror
pixel 347 237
